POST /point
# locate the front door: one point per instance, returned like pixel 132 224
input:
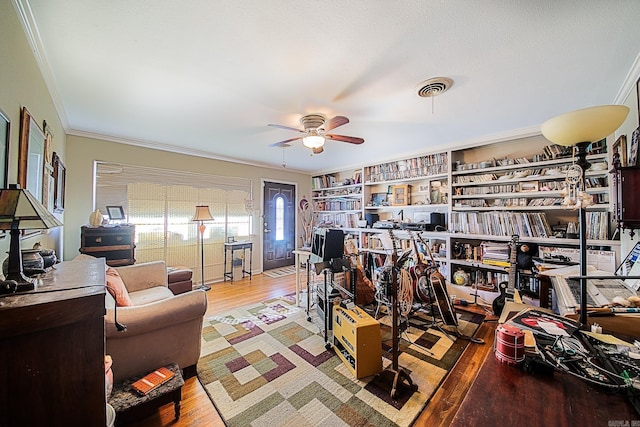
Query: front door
pixel 279 225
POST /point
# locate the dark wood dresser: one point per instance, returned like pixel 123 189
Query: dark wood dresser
pixel 115 243
pixel 52 349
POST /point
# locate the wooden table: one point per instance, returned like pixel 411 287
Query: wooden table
pixel 238 246
pixel 131 406
pixel 505 395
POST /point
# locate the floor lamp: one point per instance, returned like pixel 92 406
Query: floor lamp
pixel 202 214
pixel 579 129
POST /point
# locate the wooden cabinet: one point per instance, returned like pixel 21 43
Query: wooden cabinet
pixel 626 209
pixel 52 349
pixel 116 243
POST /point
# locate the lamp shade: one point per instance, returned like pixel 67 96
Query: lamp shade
pixel 20 210
pixel 585 125
pixel 202 214
pixel 313 139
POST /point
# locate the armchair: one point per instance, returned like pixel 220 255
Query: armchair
pixel 161 327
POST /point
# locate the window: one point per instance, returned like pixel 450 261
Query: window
pixel 279 218
pixel 161 204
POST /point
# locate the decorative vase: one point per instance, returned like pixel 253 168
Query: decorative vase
pixel 32 262
pixel 95 218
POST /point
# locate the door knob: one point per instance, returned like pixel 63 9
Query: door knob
pixel 266 230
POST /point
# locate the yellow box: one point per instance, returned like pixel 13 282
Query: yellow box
pixel 357 341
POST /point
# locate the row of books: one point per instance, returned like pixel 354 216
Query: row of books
pixel 339 205
pixel 597 225
pixel 343 220
pixel 323 181
pixel 411 168
pixel 524 224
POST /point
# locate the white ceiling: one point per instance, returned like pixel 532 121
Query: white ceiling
pixel 206 77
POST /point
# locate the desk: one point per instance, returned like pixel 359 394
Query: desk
pixel 301 255
pixel 52 349
pixel 517 398
pixel 238 246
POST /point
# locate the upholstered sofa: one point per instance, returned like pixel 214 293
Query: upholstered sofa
pixel 160 327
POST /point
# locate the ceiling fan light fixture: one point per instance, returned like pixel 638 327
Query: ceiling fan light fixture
pixel 313 140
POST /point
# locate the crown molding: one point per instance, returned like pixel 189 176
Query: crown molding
pixel 28 22
pixel 629 84
pixel 174 149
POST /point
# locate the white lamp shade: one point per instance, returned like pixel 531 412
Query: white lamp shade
pixel 586 125
pixel 313 140
pixel 202 214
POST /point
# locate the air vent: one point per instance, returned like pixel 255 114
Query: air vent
pixel 434 87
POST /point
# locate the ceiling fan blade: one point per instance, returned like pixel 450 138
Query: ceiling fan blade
pixel 286 127
pixel 278 144
pixel 349 139
pixel 335 122
pixel 317 150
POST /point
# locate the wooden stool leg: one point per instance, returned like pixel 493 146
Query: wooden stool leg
pixel 176 402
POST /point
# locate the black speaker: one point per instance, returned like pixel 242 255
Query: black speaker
pixel 371 219
pixel 436 220
pixel 327 244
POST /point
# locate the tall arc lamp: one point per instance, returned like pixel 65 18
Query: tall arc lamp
pixel 579 129
pixel 20 210
pixel 202 215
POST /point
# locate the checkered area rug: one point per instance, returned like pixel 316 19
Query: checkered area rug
pixel 280 272
pixel 266 365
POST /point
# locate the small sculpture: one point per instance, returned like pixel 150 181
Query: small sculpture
pixel 95 218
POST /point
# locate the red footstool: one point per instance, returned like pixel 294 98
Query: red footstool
pixel 179 279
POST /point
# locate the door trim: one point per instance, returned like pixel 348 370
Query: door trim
pixel 296 202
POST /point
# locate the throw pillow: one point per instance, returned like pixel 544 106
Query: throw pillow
pixel 116 287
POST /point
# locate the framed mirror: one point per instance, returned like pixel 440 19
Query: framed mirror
pixel 59 178
pixel 31 155
pixel 5 125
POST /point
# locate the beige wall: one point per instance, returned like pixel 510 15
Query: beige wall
pixel 82 152
pixel 21 84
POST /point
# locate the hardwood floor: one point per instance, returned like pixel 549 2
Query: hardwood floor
pixel 197 409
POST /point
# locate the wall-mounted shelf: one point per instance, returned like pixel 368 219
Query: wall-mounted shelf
pixel 521 192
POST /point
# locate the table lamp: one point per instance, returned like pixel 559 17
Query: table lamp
pixel 19 210
pixel 579 129
pixel 202 214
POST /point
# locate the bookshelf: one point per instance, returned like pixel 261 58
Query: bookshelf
pixel 487 193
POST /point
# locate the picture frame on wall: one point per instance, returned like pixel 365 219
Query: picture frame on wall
pixel 5 132
pixel 59 182
pixel 638 99
pixel 633 149
pixel 31 152
pixel 620 149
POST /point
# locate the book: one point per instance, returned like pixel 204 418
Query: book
pixel 152 380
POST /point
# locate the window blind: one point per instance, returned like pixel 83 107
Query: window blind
pixel 161 203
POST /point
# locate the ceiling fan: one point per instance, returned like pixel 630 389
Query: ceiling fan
pixel 315 131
